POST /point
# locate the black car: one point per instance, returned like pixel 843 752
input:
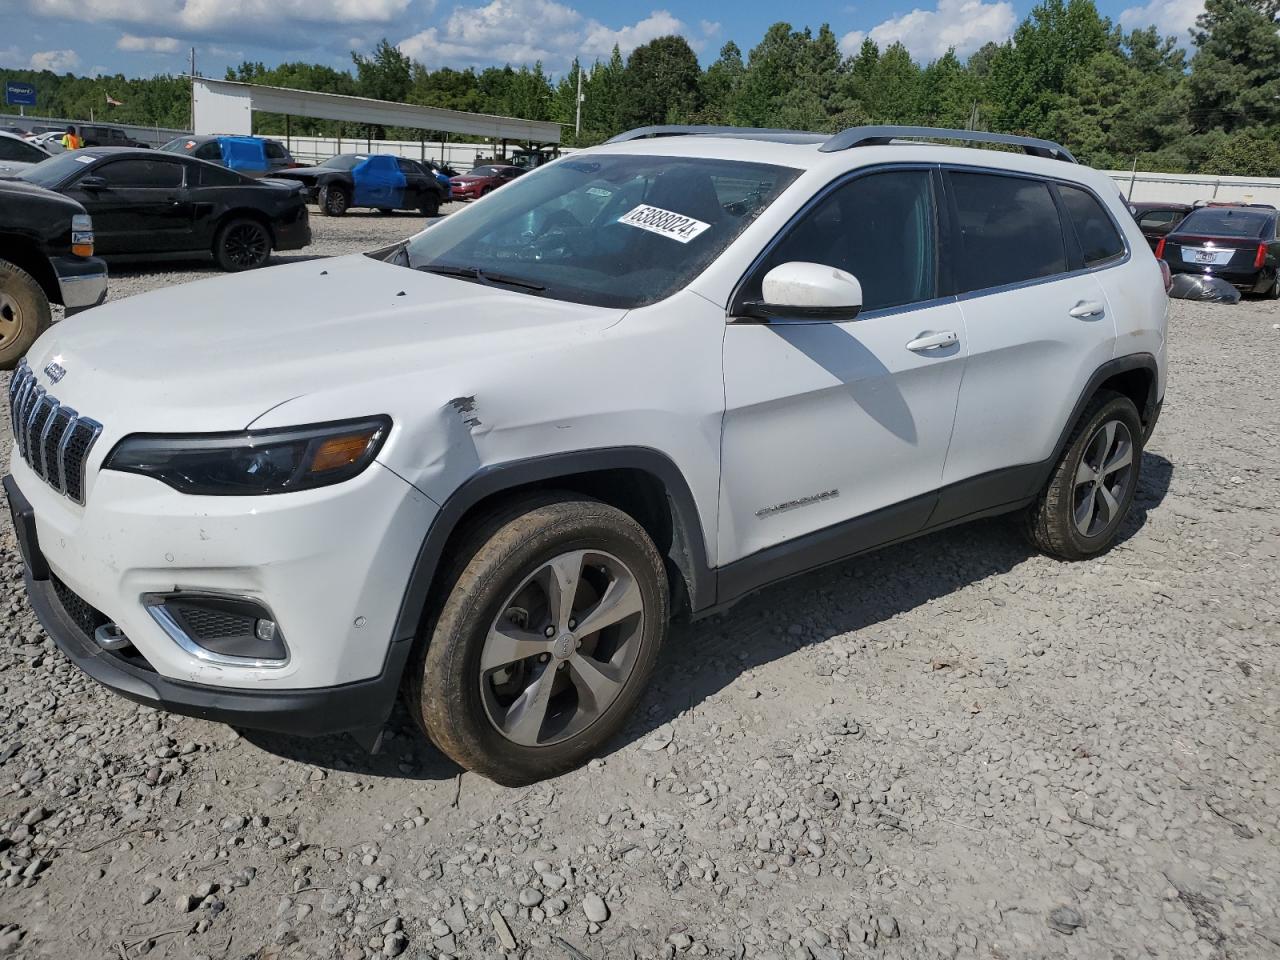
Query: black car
pixel 379 181
pixel 252 156
pixel 1239 244
pixel 143 202
pixel 1156 219
pixel 97 135
pixel 46 256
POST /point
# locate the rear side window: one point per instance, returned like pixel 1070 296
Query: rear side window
pixel 211 176
pixel 1009 230
pixel 141 173
pixel 880 228
pixel 1098 237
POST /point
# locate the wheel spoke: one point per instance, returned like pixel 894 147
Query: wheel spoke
pixel 621 600
pixel 1122 457
pixel 524 719
pixel 1110 506
pixel 562 586
pixel 1084 512
pixel 595 679
pixel 507 643
pixel 1085 473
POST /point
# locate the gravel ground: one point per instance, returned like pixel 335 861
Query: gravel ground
pixel 952 748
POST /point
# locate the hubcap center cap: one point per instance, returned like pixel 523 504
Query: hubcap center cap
pixel 563 646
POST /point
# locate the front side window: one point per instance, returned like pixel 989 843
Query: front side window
pixel 617 231
pixel 1098 237
pixel 409 168
pixel 1009 231
pixel 881 228
pixel 1156 218
pixel 140 173
pixel 275 151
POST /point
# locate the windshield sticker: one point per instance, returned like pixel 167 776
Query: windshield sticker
pixel 599 192
pixel 665 223
pixel 85 159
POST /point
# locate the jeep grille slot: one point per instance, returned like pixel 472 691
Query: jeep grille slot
pixel 54 440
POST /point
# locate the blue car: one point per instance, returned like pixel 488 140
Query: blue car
pixel 251 156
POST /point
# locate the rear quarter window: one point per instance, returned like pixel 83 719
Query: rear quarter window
pixel 1099 239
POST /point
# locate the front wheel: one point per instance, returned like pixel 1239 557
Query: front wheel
pixel 545 641
pixel 242 245
pixel 333 200
pixel 24 313
pixel 1079 513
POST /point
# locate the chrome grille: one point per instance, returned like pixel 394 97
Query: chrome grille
pixel 53 439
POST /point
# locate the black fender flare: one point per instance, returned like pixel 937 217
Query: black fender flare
pixel 1148 411
pixel 688 549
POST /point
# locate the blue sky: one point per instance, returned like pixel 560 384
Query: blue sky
pixel 144 37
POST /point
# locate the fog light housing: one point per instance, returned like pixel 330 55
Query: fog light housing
pixel 219 628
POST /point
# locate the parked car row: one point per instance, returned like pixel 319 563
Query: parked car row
pixel 1235 242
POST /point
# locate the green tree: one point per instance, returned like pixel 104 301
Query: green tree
pixel 1248 153
pixel 721 85
pixel 662 82
pixel 1235 73
pixel 387 75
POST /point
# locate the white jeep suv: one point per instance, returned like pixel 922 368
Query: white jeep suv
pixel 487 465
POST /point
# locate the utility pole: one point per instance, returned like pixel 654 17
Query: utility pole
pixel 192 125
pixel 577 120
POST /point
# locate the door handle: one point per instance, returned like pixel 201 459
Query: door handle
pixel 933 341
pixel 1086 308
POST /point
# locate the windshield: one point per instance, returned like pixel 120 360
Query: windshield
pixel 615 231
pixel 343 162
pixel 51 172
pixel 181 145
pixel 1224 222
pixel 483 172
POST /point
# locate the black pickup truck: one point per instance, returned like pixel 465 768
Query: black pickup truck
pixel 46 256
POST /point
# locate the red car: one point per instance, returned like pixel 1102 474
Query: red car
pixel 482 180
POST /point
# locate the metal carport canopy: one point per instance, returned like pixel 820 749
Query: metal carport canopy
pixel 226 106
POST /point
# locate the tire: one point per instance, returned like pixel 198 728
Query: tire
pixel 242 244
pixel 1081 509
pixel 430 208
pixel 469 691
pixel 24 313
pixel 334 201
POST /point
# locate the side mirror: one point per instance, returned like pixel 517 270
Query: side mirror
pixel 807 291
pixel 92 183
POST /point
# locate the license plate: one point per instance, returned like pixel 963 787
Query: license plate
pixel 1206 256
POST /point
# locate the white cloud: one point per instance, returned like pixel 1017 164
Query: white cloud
pixel 12 58
pixel 709 28
pixel 131 44
pixel 928 34
pixel 1172 17
pixel 59 61
pixel 525 31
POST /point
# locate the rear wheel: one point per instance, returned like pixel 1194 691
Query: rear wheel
pixel 333 200
pixel 242 245
pixel 545 642
pixel 1081 509
pixel 24 313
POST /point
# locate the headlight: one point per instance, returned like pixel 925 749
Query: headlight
pixel 82 235
pixel 254 461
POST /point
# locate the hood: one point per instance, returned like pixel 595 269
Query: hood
pixel 467 178
pixel 298 173
pixel 11 168
pixel 217 354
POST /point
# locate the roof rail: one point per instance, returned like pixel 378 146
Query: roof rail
pixel 706 130
pixel 883 134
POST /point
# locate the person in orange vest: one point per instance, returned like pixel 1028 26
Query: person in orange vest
pixel 70 141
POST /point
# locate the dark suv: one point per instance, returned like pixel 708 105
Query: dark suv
pixel 97 135
pixel 46 255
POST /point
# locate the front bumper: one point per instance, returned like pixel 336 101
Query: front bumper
pixel 358 705
pixel 82 282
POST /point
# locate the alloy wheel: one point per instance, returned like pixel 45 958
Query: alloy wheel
pixel 1103 478
pixel 562 648
pixel 10 319
pixel 246 245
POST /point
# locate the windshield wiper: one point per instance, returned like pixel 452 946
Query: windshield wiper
pixel 475 273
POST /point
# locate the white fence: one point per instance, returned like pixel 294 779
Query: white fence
pixel 460 156
pixel 1192 187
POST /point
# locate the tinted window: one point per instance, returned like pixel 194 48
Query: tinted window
pixel 1094 229
pixel 211 176
pixel 209 151
pixel 1009 231
pixel 11 149
pixel 275 151
pixel 141 173
pixel 880 228
pixel 609 230
pixel 1226 222
pixel 1157 218
pixel 409 168
pixel 344 161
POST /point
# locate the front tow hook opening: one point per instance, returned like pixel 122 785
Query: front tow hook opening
pixel 110 637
